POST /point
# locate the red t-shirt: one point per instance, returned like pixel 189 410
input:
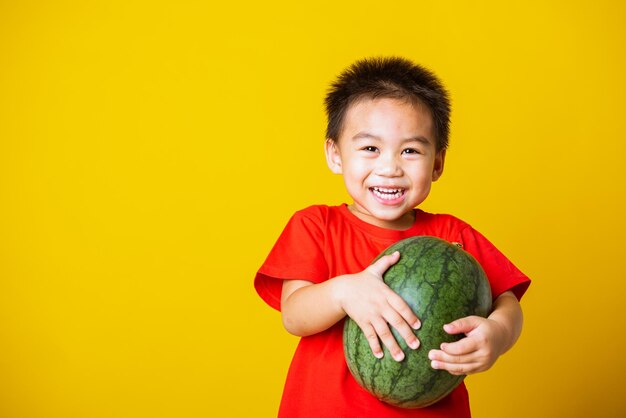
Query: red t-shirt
pixel 323 242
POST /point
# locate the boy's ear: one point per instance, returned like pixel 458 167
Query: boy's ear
pixel 440 158
pixel 333 158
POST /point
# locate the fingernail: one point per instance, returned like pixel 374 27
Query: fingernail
pixel 399 356
pixel 378 354
pixel 434 364
pixel 417 325
pixel 414 344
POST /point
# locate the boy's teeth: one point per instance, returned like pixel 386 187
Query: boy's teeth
pixel 387 193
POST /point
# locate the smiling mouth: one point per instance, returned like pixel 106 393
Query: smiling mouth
pixel 387 194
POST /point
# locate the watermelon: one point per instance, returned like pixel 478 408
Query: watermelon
pixel 441 283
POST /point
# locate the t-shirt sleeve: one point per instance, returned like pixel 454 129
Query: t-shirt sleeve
pixel 502 274
pixel 297 254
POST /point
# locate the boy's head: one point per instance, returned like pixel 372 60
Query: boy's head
pixel 387 137
pixel 395 78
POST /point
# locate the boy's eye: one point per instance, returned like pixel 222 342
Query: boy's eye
pixel 370 148
pixel 411 151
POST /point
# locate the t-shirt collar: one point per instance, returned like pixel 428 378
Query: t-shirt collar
pixel 381 232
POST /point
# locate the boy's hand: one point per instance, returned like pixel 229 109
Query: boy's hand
pixel 485 342
pixel 374 306
pixel 486 338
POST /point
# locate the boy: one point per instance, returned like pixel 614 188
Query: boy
pixel 387 136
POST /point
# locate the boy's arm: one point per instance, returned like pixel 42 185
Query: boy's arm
pixel 486 338
pixel 309 308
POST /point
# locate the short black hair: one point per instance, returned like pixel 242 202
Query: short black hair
pixel 388 77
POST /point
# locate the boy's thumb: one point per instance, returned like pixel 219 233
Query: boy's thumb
pixel 383 263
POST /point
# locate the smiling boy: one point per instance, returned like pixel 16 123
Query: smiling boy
pixel 388 157
pixel 387 136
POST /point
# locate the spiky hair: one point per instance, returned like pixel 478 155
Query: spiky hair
pixel 388 77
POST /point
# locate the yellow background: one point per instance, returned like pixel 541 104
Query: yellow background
pixel 151 152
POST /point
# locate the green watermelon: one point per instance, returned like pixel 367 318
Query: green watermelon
pixel 441 283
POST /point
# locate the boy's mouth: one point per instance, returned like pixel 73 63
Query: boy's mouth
pixel 388 194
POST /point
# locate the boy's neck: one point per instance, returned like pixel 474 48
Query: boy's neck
pixel 405 222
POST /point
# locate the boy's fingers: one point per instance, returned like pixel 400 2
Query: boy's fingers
pixel 463 346
pixel 382 264
pixel 440 356
pixel 400 306
pixel 372 339
pixel 456 365
pixel 457 369
pixel 405 331
pixel 388 340
pixel 463 325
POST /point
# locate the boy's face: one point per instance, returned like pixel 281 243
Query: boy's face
pixel 388 159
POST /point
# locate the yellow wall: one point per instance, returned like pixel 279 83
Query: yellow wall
pixel 151 152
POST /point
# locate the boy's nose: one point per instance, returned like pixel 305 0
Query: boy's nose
pixel 388 166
